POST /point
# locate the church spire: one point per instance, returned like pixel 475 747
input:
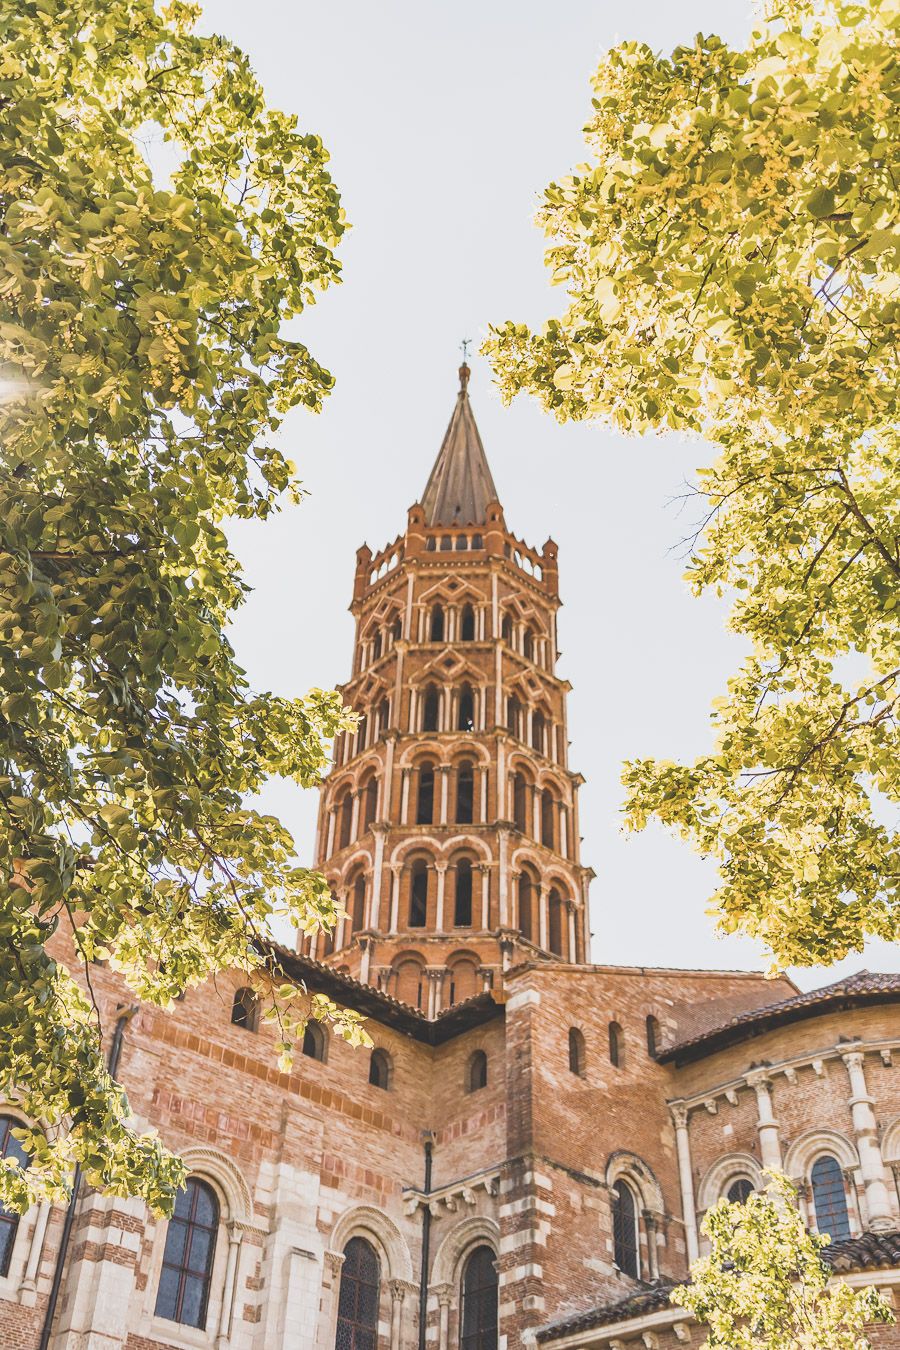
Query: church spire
pixel 460 484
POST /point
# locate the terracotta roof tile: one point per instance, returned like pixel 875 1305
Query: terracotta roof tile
pixel 460 484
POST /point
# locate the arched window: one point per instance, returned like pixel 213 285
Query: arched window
pixel 418 894
pixel 425 795
pixel 346 817
pixel 245 1010
pixel 430 544
pixel 462 906
pixel 528 646
pixel 431 709
pixel 463 981
pixel 362 733
pixel 397 629
pixel 538 724
pixel 477 1072
pixel 478 1314
pixel 465 792
pixel 446 543
pixel 625 1230
pixel 462 543
pixel 376 645
pixel 652 1035
pixel 829 1198
pixel 411 983
pixel 358 908
pixel 506 629
pixel 384 715
pixel 380 1069
pixel 314 1042
pixel 514 716
pixel 436 627
pixel 370 803
pixel 548 811
pixel 467 624
pixel 477 541
pixel 526 902
pixel 520 803
pixel 465 719
pixel 555 925
pixel 9 1220
pixel 576 1051
pixel 616 1046
pixel 357 1320
pixel 739 1191
pixel 183 1293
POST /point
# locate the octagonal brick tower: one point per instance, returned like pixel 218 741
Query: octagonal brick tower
pixel 448 824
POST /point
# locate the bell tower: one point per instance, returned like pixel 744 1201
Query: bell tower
pixel 448 824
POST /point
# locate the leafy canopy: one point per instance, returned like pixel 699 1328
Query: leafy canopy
pixel 731 260
pixel 145 369
pixel 764 1285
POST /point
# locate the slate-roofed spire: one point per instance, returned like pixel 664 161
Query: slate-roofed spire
pixel 460 484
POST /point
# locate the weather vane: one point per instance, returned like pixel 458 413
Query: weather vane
pixel 464 345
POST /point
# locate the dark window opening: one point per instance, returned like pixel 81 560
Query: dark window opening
pixel 446 543
pixel 548 812
pixel 436 630
pixel 462 543
pixel 520 803
pixel 370 802
pixel 425 795
pixel 526 900
pixel 314 1042
pixel 431 709
pixel 652 1035
pixel 346 820
pixel 739 1191
pixel 245 1010
pixel 537 731
pixel 528 645
pixel 462 909
pixel 477 541
pixel 830 1198
pixel 430 544
pixel 576 1051
pixel 506 629
pixel 478 1318
pixel 625 1234
pixel 357 1321
pixel 465 793
pixel 384 715
pixel 514 716
pixel 358 909
pixel 183 1293
pixel 616 1046
pixel 555 934
pixel 467 624
pixel 466 718
pixel 380 1069
pixel 418 894
pixel 477 1075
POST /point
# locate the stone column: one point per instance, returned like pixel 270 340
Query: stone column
pixel 686 1180
pixel 484 793
pixel 396 870
pixel 503 881
pixel 331 822
pixel 340 928
pixel 766 1125
pixel 366 947
pixel 573 949
pixel 333 1263
pixel 398 1289
pixel 36 1247
pixel 435 979
pixel 543 916
pixel 485 870
pixel 387 786
pixel 564 831
pixel 379 830
pixel 441 869
pixel 354 819
pixel 444 1294
pixel 878 1203
pixel 444 771
pixel 404 794
pixel 652 1253
pixel 229 1290
pixel 414 701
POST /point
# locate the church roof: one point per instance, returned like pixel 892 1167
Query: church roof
pixel 460 484
pixel 865 987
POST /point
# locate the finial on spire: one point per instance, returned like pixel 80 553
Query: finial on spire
pixel 464 371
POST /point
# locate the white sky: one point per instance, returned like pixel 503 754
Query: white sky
pixel 444 122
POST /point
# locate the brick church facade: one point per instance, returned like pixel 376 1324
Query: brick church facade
pixel 524 1157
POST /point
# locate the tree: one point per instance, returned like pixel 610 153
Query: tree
pixel 732 265
pixel 765 1286
pixel 145 371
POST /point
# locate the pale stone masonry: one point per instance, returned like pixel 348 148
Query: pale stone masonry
pixel 552 1131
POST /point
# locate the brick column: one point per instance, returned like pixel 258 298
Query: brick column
pixel 686 1180
pixel 878 1202
pixel 766 1125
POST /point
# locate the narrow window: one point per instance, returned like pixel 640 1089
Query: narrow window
pixel 520 803
pixel 9 1220
pixel 576 1051
pixel 384 715
pixel 467 624
pixel 436 629
pixel 466 717
pixel 528 645
pixel 625 1230
pixel 477 1072
pixel 463 982
pixel 380 1069
pixel 548 811
pixel 652 1035
pixel 616 1046
pixel 555 925
pixel 431 709
pixel 537 731
pixel 377 645
pixel 370 802
pixel 829 1198
pixel 478 1318
pixel 418 894
pixel 462 909
pixel 740 1190
pixel 514 716
pixel 346 810
pixel 245 1010
pixel 362 734
pixel 430 544
pixel 506 630
pixel 397 629
pixel 446 543
pixel 358 909
pixel 462 543
pixel 425 796
pixel 526 900
pixel 465 792
pixel 477 541
pixel 357 1320
pixel 314 1042
pixel 183 1293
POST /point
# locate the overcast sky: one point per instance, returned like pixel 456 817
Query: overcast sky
pixel 444 122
